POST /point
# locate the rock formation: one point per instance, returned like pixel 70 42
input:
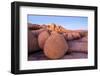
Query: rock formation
pixel 68 34
pixel 32 42
pixel 43 36
pixel 55 40
pixel 55 46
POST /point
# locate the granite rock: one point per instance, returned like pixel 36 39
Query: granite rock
pixel 55 46
pixel 32 42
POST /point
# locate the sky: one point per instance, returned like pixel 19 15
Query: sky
pixel 68 22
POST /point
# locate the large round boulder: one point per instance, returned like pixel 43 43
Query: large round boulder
pixel 55 46
pixel 43 36
pixel 32 42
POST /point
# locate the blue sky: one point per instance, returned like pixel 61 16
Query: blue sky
pixel 69 22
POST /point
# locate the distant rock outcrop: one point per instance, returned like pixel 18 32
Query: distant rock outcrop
pixel 33 26
pixel 68 34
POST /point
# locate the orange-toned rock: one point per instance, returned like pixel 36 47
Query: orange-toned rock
pixel 83 33
pixel 72 35
pixel 43 36
pixel 55 46
pixel 32 42
pixel 76 35
pixel 56 28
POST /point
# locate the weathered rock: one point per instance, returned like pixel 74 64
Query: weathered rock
pixel 43 36
pixel 56 28
pixel 32 42
pixel 37 32
pixel 55 46
pixel 76 35
pixel 72 35
pixel 83 33
pixel 33 26
pixel 69 36
pixel 80 45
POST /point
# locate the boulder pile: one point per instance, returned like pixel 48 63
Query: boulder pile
pixel 55 41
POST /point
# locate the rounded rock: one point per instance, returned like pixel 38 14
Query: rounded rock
pixel 69 36
pixel 32 42
pixel 55 46
pixel 43 36
pixel 37 32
